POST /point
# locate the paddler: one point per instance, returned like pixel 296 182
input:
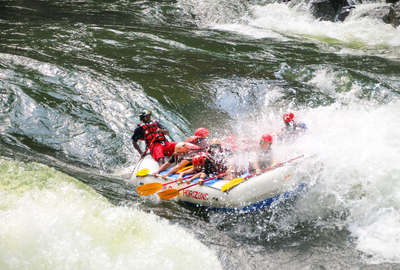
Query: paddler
pixel 291 128
pixel 264 157
pixel 182 156
pixel 153 133
pixel 200 138
pixel 207 164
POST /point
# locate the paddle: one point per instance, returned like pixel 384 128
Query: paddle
pixel 145 171
pixel 172 192
pixel 141 158
pixel 236 181
pixel 151 188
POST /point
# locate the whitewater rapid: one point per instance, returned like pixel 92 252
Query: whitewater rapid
pixel 49 220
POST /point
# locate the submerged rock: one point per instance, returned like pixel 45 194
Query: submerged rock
pixel 343 13
pixel 338 10
pixel 396 8
pixel 385 13
pixel 323 10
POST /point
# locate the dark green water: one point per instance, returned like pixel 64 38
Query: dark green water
pixel 74 75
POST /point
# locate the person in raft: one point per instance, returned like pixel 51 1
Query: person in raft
pixel 181 157
pixel 200 163
pixel 264 156
pixel 207 164
pixel 229 157
pixel 153 133
pixel 291 128
pixel 200 138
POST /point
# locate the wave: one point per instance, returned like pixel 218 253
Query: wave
pixel 357 35
pixel 49 220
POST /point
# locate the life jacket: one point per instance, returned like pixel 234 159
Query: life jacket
pixel 150 134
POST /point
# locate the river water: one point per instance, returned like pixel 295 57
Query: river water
pixel 74 75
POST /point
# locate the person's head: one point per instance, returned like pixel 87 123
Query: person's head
pixel 198 161
pixel 145 116
pixel 181 148
pixel 201 132
pixel 215 146
pixel 266 141
pixel 288 118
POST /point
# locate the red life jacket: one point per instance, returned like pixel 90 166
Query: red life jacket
pixel 150 133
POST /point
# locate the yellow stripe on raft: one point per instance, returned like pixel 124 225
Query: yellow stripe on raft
pixel 231 184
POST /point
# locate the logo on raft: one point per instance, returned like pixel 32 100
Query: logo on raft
pixel 196 195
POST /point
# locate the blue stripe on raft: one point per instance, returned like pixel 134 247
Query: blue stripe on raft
pixel 253 207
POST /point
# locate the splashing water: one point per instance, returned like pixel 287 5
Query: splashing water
pixel 51 221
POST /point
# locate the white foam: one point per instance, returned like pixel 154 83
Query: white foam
pixel 356 34
pixel 356 168
pixel 49 221
pixel 358 151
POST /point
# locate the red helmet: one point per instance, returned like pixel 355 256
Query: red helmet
pixel 288 117
pixel 267 138
pixel 201 132
pixel 198 160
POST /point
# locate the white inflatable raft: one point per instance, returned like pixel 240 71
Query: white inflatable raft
pixel 253 193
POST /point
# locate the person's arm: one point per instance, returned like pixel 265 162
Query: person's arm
pixel 201 175
pixel 163 167
pixel 185 172
pixel 256 166
pixel 137 134
pixel 162 129
pixel 136 146
pixel 177 167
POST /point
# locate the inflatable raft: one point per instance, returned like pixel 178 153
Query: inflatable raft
pixel 248 193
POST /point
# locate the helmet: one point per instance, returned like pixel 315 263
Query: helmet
pixel 215 141
pixel 198 160
pixel 288 117
pixel 143 114
pixel 201 132
pixel 267 138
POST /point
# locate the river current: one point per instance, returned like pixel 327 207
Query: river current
pixel 74 75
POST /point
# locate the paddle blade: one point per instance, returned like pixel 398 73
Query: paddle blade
pixel 231 184
pixel 168 193
pixel 143 172
pixel 148 189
